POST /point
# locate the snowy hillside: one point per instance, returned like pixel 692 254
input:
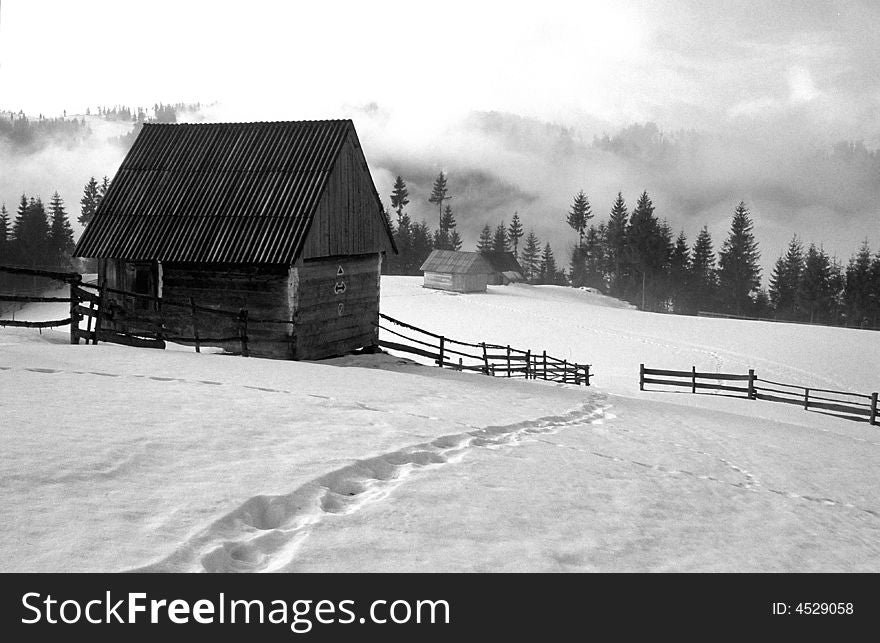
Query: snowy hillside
pixel 118 458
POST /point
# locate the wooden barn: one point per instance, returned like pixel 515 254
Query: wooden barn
pixel 506 268
pixel 456 271
pixel 279 218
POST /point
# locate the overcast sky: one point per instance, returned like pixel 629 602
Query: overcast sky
pixel 773 80
pixel 681 64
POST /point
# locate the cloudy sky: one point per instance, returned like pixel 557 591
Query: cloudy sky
pixel 797 76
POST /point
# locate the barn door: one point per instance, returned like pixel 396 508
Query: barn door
pixel 142 277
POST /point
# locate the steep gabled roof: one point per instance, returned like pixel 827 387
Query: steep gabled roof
pixel 218 192
pixel 456 262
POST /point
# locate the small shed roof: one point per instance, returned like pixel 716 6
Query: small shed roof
pixel 456 262
pixel 503 262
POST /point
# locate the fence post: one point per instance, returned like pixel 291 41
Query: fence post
pixel 693 379
pixel 508 360
pixel 485 360
pixel 442 346
pixel 806 399
pixel 641 377
pixel 99 316
pixel 873 408
pixel 75 281
pixel 459 364
pixel 587 373
pixel 195 327
pixel 242 331
pixel 545 365
pixel 161 334
pixel 565 371
pixel 577 375
pixel 752 395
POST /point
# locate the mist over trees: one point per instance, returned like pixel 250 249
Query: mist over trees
pixel 41 237
pixel 625 247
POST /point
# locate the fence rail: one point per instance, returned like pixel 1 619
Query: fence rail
pixel 490 359
pixel 862 406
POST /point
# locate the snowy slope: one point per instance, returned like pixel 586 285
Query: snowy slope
pixel 117 458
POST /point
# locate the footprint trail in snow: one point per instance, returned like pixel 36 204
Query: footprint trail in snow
pixel 265 532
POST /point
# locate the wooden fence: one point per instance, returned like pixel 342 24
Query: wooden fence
pixel 489 359
pixel 860 406
pixel 148 321
pixel 71 278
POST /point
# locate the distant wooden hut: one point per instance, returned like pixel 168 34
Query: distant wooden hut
pixel 506 268
pixel 282 219
pixel 456 271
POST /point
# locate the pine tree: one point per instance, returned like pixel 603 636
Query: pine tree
pixel 678 273
pixel 739 272
pixel 548 273
pixel 646 252
pixel 577 268
pixel 531 256
pixel 499 240
pixel 5 231
pixel 858 296
pixel 703 277
pixel 60 233
pixel 102 189
pixel 31 230
pixel 484 245
pixel 399 196
pixel 403 239
pixel 515 233
pixel 595 260
pixel 89 202
pixel 5 238
pixel 785 279
pixel 454 241
pixel 814 291
pixel 441 239
pixel 421 244
pixel 616 243
pixel 579 216
pixel 439 194
pixel 447 221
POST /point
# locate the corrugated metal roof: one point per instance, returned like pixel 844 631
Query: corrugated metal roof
pixel 216 192
pixel 456 262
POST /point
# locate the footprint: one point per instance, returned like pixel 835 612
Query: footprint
pixel 263 534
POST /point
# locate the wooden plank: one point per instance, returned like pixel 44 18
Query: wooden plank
pixel 30 324
pixel 665 373
pixel 34 300
pixel 688 384
pixel 773 398
pixel 81 292
pixel 721 376
pixel 840 408
pixel 33 272
pixel 129 340
pixel 407 349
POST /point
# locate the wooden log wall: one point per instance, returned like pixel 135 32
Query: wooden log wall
pixel 336 303
pixel 455 282
pixel 261 290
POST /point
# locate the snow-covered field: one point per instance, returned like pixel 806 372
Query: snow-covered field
pixel 117 458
